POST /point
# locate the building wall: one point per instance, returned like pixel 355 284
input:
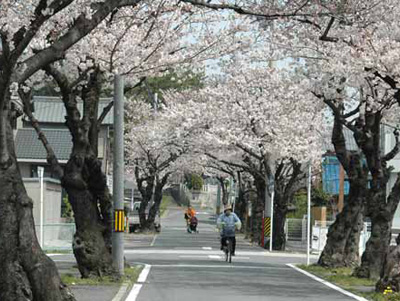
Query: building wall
pixel 25 169
pixel 389 143
pixel 51 200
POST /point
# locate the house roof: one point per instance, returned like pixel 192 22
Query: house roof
pixel 28 146
pixel 50 109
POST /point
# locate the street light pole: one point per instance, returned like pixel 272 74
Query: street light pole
pixel 41 173
pixel 119 172
pixel 308 213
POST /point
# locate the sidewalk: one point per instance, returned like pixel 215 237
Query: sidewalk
pixel 88 292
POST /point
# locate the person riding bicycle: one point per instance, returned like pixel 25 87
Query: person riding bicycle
pixel 228 222
pixel 189 214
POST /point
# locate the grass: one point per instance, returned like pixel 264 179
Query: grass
pixel 166 201
pixel 58 251
pixel 131 275
pixel 343 278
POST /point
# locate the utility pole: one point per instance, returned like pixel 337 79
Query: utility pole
pixel 41 173
pixel 218 209
pixel 308 213
pixel 268 212
pixel 119 173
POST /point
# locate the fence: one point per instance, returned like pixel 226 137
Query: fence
pixel 296 235
pixel 57 236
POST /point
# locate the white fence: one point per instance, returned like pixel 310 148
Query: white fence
pixel 56 236
pixel 296 235
pixel 320 232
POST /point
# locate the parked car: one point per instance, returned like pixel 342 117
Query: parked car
pixel 134 221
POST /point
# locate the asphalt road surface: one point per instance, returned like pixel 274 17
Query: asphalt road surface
pixel 191 267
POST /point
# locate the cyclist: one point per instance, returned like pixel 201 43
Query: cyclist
pixel 189 214
pixel 228 222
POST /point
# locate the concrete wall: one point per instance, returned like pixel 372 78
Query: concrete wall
pixel 388 144
pixel 25 169
pixel 51 199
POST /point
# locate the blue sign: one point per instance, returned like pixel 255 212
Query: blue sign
pixel 331 176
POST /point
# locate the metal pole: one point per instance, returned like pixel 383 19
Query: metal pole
pixel 41 172
pixel 308 213
pixel 218 209
pixel 118 183
pixel 272 218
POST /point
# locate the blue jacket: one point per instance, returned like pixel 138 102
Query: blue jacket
pixel 227 224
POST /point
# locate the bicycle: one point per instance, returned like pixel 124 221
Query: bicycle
pixel 228 249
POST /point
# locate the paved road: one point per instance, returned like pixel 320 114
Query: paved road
pixel 191 267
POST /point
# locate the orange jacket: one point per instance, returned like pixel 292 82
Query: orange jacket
pixel 190 212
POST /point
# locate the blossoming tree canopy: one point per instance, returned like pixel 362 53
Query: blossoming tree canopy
pixel 258 110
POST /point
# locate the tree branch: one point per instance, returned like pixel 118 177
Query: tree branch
pixel 51 156
pixel 389 156
pixel 243 11
pixel 80 28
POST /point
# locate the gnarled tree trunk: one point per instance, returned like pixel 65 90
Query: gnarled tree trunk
pixel 381 214
pixel 343 239
pixel 85 185
pixel 342 246
pixel 84 180
pixel 27 273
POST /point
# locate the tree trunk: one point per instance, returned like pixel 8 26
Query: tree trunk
pixel 27 273
pixel 373 259
pixel 224 191
pixel 92 240
pixel 342 245
pixel 377 248
pixel 279 237
pixel 85 181
pixel 158 195
pixel 258 210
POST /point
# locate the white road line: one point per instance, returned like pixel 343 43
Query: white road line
pixel 154 240
pixel 192 256
pixel 145 272
pixel 327 283
pixel 214 256
pixel 134 293
pixel 207 248
pixel 193 252
pixel 225 266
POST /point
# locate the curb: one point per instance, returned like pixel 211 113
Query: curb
pixel 122 292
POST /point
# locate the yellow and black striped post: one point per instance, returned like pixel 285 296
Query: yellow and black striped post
pixel 267 227
pixel 119 221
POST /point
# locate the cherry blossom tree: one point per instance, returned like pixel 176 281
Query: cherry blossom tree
pixel 353 47
pixel 136 42
pixel 33 34
pixel 256 117
pixel 154 151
